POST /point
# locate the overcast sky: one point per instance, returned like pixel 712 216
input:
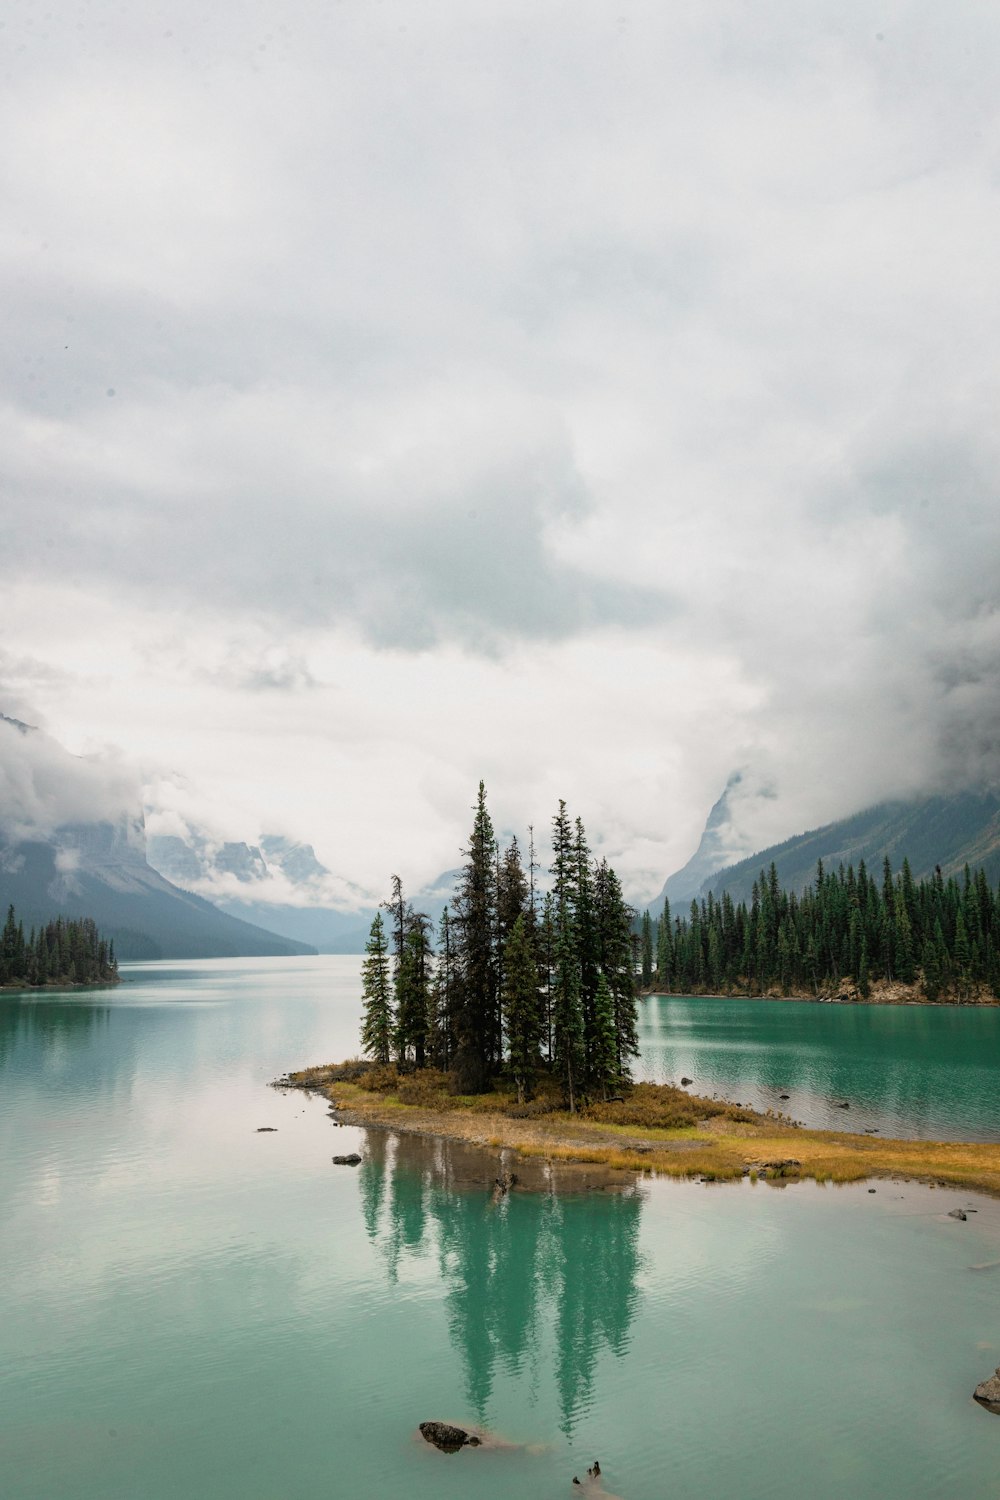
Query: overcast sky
pixel 593 397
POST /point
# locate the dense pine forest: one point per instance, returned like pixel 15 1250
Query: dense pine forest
pixel 60 952
pixel 848 930
pixel 514 986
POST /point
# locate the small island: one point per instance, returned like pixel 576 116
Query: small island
pixel 517 1034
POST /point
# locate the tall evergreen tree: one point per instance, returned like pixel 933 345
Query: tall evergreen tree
pixel 646 939
pixel 413 1015
pixel 520 1007
pixel 604 1057
pixel 568 1041
pixel 614 925
pixel 444 990
pixel 477 1010
pixel 378 1023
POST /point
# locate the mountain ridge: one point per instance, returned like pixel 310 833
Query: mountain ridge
pixel 941 830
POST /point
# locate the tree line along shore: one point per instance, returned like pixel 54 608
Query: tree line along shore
pixel 63 951
pixel 517 1029
pixel 935 940
pixel 535 990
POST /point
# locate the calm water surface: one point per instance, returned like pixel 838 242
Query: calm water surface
pixel 925 1071
pixel 191 1309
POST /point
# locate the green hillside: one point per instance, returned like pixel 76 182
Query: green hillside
pixel 949 832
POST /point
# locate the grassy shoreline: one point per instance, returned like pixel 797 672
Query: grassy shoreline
pixel 705 1137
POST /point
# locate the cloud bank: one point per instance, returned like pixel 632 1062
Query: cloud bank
pixel 392 399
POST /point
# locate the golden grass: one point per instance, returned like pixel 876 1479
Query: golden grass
pixel 657 1129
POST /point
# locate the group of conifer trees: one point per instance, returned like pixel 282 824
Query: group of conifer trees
pixel 519 984
pixel 59 952
pixel 943 935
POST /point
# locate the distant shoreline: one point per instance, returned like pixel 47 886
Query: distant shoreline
pixel 882 993
pixel 719 1149
pixel 59 984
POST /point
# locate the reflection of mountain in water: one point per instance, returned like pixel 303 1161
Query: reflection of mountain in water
pixel 531 1265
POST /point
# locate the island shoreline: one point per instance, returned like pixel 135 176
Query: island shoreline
pixel 718 1149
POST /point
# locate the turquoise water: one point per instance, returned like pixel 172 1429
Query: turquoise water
pixel 925 1071
pixel 191 1309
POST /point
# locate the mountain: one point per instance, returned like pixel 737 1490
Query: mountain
pixel 280 884
pixel 950 831
pixel 722 842
pixel 100 870
pixel 277 883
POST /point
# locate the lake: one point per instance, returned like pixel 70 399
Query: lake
pixel 926 1071
pixel 190 1308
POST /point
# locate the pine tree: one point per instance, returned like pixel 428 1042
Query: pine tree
pixel 604 1061
pixel 905 966
pixel 378 1024
pixel 567 1020
pixel 414 992
pixel 520 1007
pixel 399 911
pixel 614 926
pixel 663 948
pixel 546 974
pixel 512 902
pixel 647 950
pixel 477 1010
pixel 444 990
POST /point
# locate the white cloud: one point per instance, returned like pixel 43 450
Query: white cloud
pixel 43 787
pixel 595 408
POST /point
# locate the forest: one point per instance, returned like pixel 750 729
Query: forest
pixel 58 952
pixel 515 985
pixel 848 927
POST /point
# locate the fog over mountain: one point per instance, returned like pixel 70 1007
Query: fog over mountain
pixel 392 398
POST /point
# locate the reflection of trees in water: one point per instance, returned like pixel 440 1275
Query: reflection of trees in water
pixel 45 1026
pixel 513 1269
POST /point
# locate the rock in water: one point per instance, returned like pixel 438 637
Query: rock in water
pixel 503 1184
pixel 449 1439
pixel 685 1082
pixel 987 1393
pixel 957 1213
pixel 352 1160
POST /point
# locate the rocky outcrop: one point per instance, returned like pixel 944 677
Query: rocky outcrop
pixel 449 1439
pixel 352 1160
pixel 987 1392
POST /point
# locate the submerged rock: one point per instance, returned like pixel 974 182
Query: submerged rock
pixel 449 1439
pixel 957 1213
pixel 352 1160
pixel 685 1082
pixel 987 1392
pixel 267 1129
pixel 504 1182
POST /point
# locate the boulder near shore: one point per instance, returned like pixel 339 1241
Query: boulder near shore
pixel 449 1439
pixel 987 1392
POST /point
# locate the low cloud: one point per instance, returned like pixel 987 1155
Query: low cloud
pixel 43 788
